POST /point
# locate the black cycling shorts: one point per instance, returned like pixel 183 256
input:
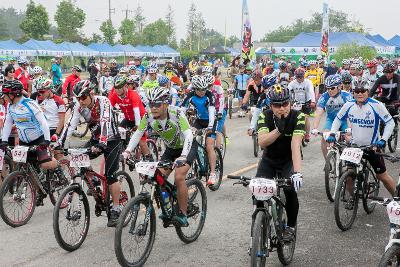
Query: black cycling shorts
pixel 377 162
pixel 171 154
pixel 42 155
pixel 127 124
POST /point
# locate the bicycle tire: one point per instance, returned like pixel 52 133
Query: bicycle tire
pixel 285 258
pixel 8 164
pixel 330 171
pixel 219 165
pixel 224 85
pixel 85 131
pixel 193 212
pixel 344 226
pixel 389 255
pixel 368 204
pixel 392 142
pixel 131 211
pixel 223 145
pixel 230 111
pixel 6 187
pixel 256 148
pixel 259 232
pixel 123 197
pixel 62 183
pixel 60 205
pixel 153 149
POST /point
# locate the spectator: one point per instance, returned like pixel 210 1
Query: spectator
pixel 332 68
pixel 21 73
pixel 9 73
pixel 56 72
pixel 83 65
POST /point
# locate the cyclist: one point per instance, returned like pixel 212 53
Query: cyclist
pixel 106 81
pixel 163 81
pixel 240 84
pixel 282 73
pixel 21 73
pixel 181 68
pixel 174 129
pixel 345 66
pixel 105 137
pixel 254 89
pixel 302 91
pixel 70 82
pixel 151 81
pixel 330 102
pixel 36 75
pixel 130 104
pixel 364 114
pixel 314 75
pixel 347 81
pixel 332 68
pixel 140 70
pixel 203 101
pixel 169 69
pixel 56 71
pixel 113 67
pixel 132 69
pixel 280 132
pixel 94 69
pixel 372 74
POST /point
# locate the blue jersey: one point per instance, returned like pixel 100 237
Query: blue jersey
pixel 263 101
pixel 57 74
pixel 201 104
pixel 241 81
pixel 332 105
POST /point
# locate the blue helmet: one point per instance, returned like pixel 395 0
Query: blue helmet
pixel 304 64
pixel 269 80
pixel 333 81
pixel 163 81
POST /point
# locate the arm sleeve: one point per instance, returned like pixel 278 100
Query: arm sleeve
pixel 322 102
pixel 262 124
pixel 136 112
pixel 220 92
pixel 187 144
pixel 138 134
pixel 105 119
pixel 254 119
pixel 71 125
pixel 389 126
pixel 7 127
pixel 43 125
pixel 211 116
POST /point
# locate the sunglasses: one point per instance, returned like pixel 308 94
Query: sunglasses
pixel 360 91
pixel 200 89
pixel 157 104
pixel 331 88
pixel 82 98
pixel 279 105
pixel 42 91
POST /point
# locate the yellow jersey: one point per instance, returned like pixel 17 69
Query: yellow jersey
pixel 314 76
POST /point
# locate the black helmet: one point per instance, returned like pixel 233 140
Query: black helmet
pixel 77 68
pixel 361 83
pixel 389 67
pixel 279 94
pixel 83 87
pixel 13 87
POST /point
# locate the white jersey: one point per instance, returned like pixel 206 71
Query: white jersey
pixel 51 107
pixel 302 92
pixel 370 77
pixel 365 121
pixel 106 84
pixel 34 84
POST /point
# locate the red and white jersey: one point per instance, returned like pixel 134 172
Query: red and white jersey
pixel 51 107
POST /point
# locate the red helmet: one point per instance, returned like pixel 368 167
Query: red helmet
pixel 372 63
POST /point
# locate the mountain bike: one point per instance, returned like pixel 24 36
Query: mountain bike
pixel 136 227
pixel 269 219
pixel 201 167
pixel 24 189
pixel 83 127
pixel 71 216
pixel 357 182
pixel 393 139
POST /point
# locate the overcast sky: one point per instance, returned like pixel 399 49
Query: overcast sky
pixel 265 15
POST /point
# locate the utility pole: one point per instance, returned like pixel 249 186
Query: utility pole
pixel 127 11
pixel 110 10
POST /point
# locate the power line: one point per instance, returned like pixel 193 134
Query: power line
pixel 110 10
pixel 127 11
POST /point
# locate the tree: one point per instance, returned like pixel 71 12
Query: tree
pixel 70 20
pixel 200 29
pixel 232 40
pixel 353 50
pixel 338 22
pixel 169 20
pixel 139 20
pixel 191 26
pixel 10 20
pixel 156 33
pixel 108 32
pixel 36 21
pixel 127 31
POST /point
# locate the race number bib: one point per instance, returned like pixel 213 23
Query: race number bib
pixel 262 189
pixel 78 159
pixel 1 159
pixel 146 168
pixel 122 132
pixel 352 154
pixel 297 106
pixel 20 153
pixel 393 210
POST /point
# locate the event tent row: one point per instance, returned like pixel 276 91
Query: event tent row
pixel 48 48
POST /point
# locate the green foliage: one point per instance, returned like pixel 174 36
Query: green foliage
pixel 36 21
pixel 169 20
pixel 338 22
pixel 188 54
pixel 108 32
pixel 156 33
pixel 353 50
pixel 232 40
pixel 10 20
pixel 191 27
pixel 127 31
pixel 140 21
pixel 70 20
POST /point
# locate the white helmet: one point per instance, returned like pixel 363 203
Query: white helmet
pixel 37 70
pixel 210 79
pixel 113 61
pixel 199 82
pixel 158 94
pixel 1 78
pixel 206 69
pixel 152 70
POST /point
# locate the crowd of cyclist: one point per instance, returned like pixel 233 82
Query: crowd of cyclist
pixel 284 94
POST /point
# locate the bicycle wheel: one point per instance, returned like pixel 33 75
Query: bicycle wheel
pixel 331 177
pixel 71 222
pixel 153 149
pixel 391 257
pixel 84 129
pixel 392 142
pixel 223 145
pixel 196 212
pixel 371 188
pixel 230 110
pixel 140 232
pixel 59 182
pixel 260 234
pixel 255 144
pixel 7 168
pixel 285 249
pixel 219 170
pixel 225 85
pixel 17 199
pixel 346 201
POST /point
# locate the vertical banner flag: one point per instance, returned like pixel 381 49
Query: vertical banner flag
pixel 247 44
pixel 325 30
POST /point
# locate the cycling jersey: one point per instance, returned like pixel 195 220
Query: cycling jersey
pixel 140 70
pixel 51 107
pixel 69 84
pixel 314 76
pixel 371 77
pixel 255 92
pixel 57 74
pixel 302 92
pixel 241 81
pixel 106 84
pixel 174 130
pixel 130 105
pixel 23 76
pixel 100 120
pixel 148 84
pixel 218 92
pixel 283 76
pixel 205 106
pixel 29 120
pixel 170 72
pixel 332 104
pixel 389 88
pixel 365 121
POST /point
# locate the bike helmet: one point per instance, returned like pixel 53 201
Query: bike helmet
pixel 282 65
pixel 346 77
pixel 206 69
pixel 151 70
pixel 163 81
pixel 120 81
pixel 333 81
pixel 77 68
pixel 313 62
pixel 113 61
pixel 269 80
pixel 372 63
pixel 22 61
pixel 333 61
pixel 44 84
pixel 1 78
pixel 389 67
pixel 278 94
pixel 153 65
pixel 82 88
pixel 299 73
pixel 158 94
pixel 345 62
pixel 304 64
pixel 37 70
pixel 354 66
pixel 361 83
pixel 132 67
pixel 132 79
pixel 13 87
pixel 209 78
pixel 199 82
pixel 123 71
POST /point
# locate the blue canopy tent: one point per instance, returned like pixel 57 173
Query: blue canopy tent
pixel 46 48
pixel 262 51
pixel 78 49
pixel 106 50
pixel 12 48
pixel 146 50
pixel 129 50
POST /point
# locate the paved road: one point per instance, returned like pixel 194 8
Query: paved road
pixel 225 237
